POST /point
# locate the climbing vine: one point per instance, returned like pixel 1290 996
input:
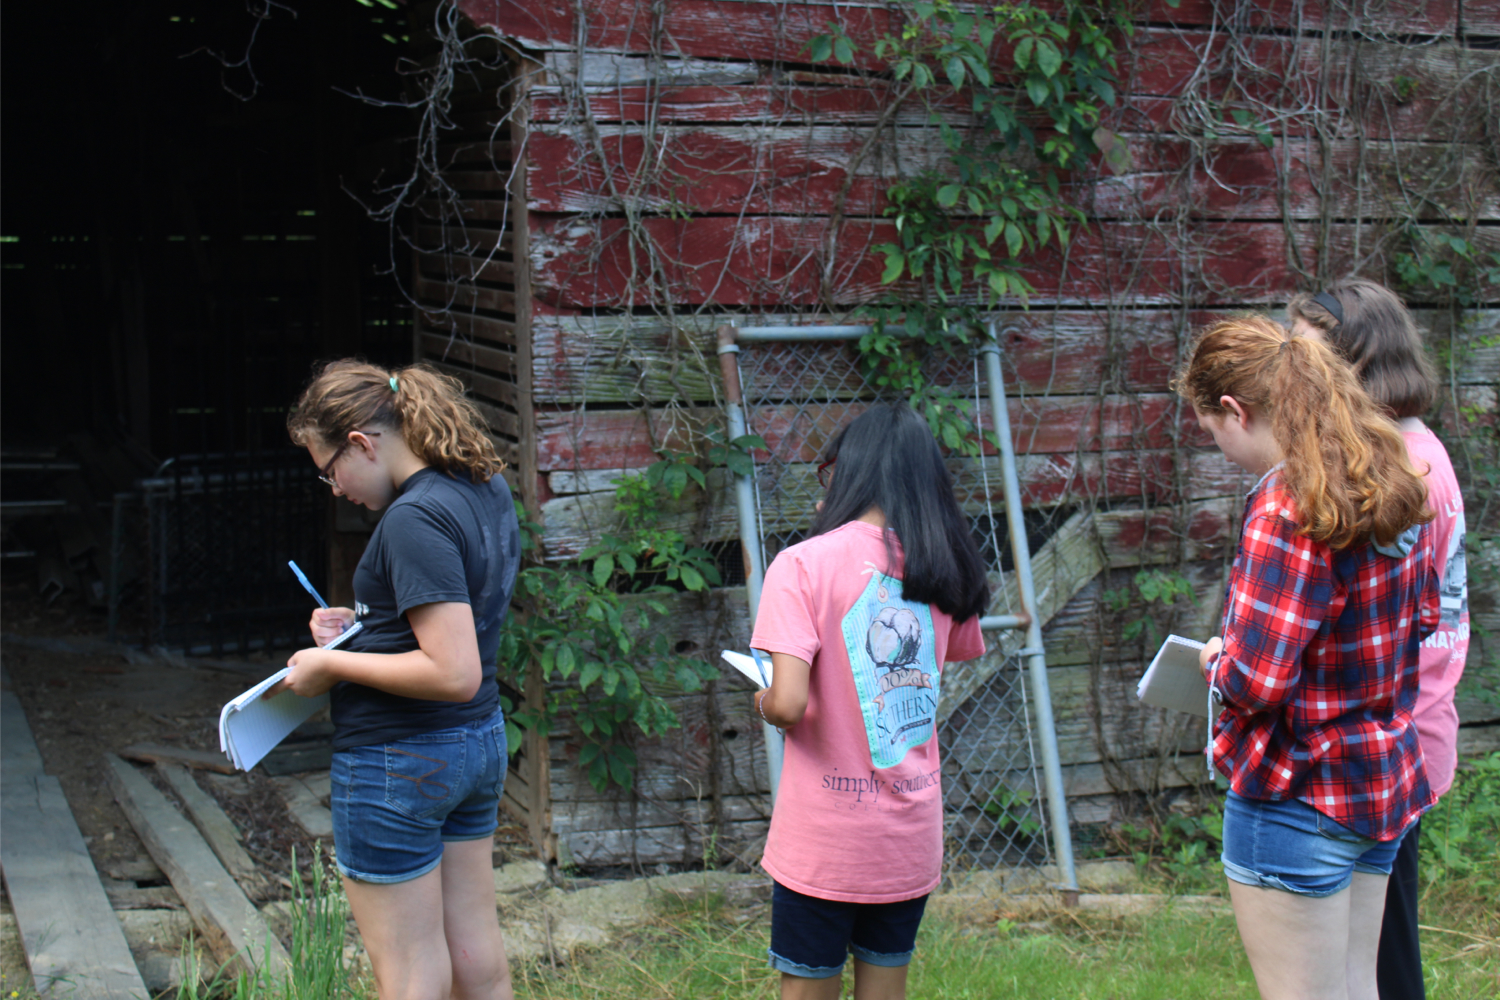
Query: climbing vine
pixel 969 225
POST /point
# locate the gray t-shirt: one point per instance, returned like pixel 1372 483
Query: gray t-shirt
pixel 444 538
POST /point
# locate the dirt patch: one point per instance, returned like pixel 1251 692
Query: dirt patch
pixel 84 697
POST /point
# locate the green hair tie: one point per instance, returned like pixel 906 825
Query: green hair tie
pixel 395 386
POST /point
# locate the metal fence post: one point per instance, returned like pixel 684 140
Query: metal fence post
pixel 744 497
pixel 1057 803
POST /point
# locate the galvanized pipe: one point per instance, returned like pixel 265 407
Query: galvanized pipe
pixel 794 333
pixel 1037 659
pixel 744 499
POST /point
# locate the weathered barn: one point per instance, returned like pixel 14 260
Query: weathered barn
pixel 622 177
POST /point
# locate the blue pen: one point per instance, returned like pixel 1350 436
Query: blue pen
pixel 755 653
pixel 306 583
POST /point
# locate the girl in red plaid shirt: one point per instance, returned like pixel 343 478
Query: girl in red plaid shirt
pixel 1332 591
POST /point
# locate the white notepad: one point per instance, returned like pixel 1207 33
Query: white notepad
pixel 757 666
pixel 250 728
pixel 1173 680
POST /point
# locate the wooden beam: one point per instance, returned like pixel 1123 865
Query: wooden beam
pixel 155 753
pixel 18 748
pixel 217 828
pixel 73 941
pixel 231 926
pixel 1069 560
pixel 784 260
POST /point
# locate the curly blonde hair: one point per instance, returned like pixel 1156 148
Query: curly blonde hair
pixel 438 424
pixel 1344 460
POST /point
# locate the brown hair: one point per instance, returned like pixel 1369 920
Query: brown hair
pixel 1378 337
pixel 438 424
pixel 1344 461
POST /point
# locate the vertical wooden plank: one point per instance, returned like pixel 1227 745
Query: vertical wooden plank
pixel 524 72
pixel 539 754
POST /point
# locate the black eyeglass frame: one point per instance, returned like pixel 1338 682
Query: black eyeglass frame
pixel 326 472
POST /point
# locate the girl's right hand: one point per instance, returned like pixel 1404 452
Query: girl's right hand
pixel 328 624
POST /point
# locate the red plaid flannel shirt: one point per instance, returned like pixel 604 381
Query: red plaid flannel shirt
pixel 1319 671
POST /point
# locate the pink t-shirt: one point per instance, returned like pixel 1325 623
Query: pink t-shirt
pixel 859 812
pixel 1444 651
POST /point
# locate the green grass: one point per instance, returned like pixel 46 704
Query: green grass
pixel 1172 954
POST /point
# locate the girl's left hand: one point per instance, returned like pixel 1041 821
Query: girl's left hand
pixel 310 674
pixel 1210 649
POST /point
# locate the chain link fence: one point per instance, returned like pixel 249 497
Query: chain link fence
pixel 199 553
pixel 797 394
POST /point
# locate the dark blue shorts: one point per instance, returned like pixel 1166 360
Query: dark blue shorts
pixel 395 804
pixel 810 937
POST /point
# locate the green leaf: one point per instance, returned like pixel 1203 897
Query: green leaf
pixel 1014 239
pixel 947 195
pixel 622 766
pixel 843 50
pixel 956 70
pixel 513 737
pixel 592 670
pixel 1037 90
pixel 820 48
pixel 1048 58
pixel 564 659
pixel 692 579
pixel 611 681
pixel 894 264
pixel 604 568
pixel 588 754
pixel 1023 52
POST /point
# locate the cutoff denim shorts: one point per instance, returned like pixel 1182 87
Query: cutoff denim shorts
pixel 810 937
pixel 1292 847
pixel 395 804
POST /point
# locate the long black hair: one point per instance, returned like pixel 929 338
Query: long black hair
pixel 887 458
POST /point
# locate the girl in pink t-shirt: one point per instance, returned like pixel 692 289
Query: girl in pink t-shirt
pixel 859 620
pixel 1372 329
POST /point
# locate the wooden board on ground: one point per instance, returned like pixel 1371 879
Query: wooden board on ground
pixel 217 828
pixel 72 938
pixel 306 806
pixel 231 927
pixel 155 753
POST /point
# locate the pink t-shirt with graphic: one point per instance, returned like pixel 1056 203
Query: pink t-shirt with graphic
pixel 1443 652
pixel 859 811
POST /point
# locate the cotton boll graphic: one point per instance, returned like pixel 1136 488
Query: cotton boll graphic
pixel 893 638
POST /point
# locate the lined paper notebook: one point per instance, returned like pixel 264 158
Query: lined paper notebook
pixel 1173 680
pixel 250 728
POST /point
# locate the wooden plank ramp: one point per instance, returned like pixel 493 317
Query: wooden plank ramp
pixel 73 940
pixel 217 828
pixel 230 924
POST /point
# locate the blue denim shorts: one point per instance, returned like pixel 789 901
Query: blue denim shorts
pixel 1292 847
pixel 395 804
pixel 810 937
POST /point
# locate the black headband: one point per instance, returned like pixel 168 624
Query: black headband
pixel 1331 304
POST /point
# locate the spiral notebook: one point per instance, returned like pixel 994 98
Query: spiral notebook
pixel 1174 680
pixel 250 727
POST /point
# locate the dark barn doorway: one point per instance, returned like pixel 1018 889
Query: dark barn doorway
pixel 180 245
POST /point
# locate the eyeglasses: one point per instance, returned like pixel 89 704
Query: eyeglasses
pixel 825 473
pixel 326 472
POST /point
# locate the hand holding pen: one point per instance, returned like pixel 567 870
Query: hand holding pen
pixel 326 623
